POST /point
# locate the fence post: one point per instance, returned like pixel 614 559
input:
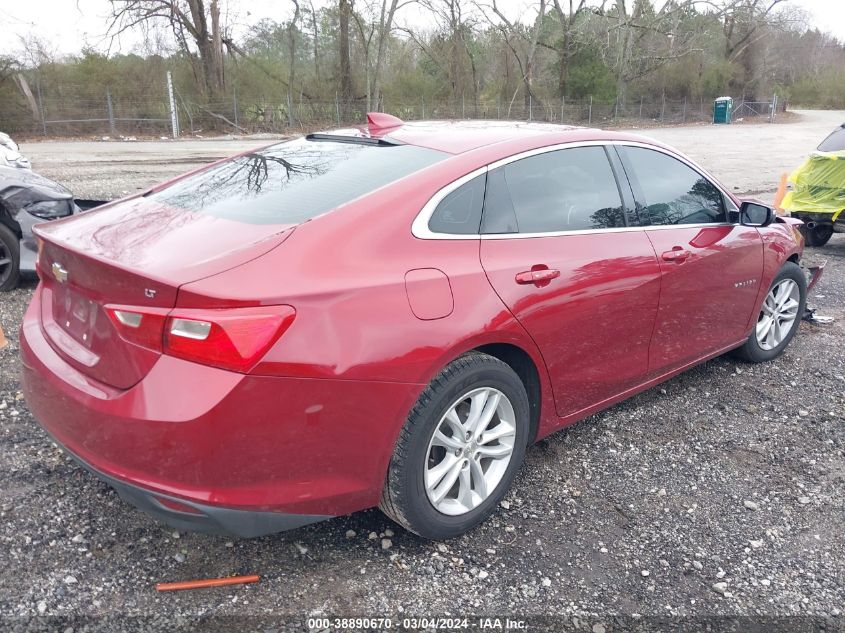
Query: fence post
pixel 530 107
pixel 641 107
pixel 562 105
pixel 616 109
pixel 174 115
pixel 590 113
pixel 774 106
pixel 663 107
pixel 111 112
pixel 684 119
pixel 422 103
pixel 337 107
pixel 463 107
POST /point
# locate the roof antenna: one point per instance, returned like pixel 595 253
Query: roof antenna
pixel 382 121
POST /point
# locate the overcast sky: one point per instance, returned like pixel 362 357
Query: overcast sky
pixel 68 25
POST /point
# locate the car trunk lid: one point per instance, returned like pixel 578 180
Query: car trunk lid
pixel 132 254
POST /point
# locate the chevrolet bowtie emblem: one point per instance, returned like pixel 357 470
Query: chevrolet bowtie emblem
pixel 59 272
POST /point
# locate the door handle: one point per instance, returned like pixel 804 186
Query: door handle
pixel 539 277
pixel 677 254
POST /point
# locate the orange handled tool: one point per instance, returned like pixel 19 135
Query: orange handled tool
pixel 780 194
pixel 3 341
pixel 209 582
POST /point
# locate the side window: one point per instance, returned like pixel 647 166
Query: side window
pixel 564 190
pixel 670 192
pixel 459 213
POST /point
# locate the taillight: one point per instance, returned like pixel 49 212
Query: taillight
pixel 235 338
pixel 232 338
pixel 141 326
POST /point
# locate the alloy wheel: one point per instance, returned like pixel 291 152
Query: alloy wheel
pixel 5 262
pixel 780 309
pixel 470 450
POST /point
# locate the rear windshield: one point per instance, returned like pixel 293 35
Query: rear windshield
pixel 835 142
pixel 294 181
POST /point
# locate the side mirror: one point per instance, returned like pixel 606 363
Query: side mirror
pixel 755 214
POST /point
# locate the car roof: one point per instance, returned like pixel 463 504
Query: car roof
pixel 494 137
pixel 457 137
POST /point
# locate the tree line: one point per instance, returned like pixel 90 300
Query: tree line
pixel 376 53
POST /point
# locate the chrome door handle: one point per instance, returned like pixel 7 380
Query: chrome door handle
pixel 677 254
pixel 537 277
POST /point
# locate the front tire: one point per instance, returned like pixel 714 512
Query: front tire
pixel 780 316
pixel 9 259
pixel 459 450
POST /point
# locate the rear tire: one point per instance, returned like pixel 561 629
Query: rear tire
pixel 441 436
pixel 9 259
pixel 787 296
pixel 817 236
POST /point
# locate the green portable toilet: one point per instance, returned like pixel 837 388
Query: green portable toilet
pixel 722 110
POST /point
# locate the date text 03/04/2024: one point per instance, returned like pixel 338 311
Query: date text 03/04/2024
pixel 417 623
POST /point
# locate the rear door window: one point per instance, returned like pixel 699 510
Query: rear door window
pixel 295 181
pixel 668 191
pixel 563 190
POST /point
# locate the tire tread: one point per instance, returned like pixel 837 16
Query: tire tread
pixel 392 501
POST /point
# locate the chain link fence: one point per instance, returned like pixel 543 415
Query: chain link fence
pixel 78 111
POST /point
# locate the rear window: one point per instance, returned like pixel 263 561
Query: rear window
pixel 459 213
pixel 835 142
pixel 295 181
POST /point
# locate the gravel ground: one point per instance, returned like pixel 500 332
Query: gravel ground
pixel 719 493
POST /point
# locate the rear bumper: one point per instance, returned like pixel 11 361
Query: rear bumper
pixel 199 517
pixel 247 454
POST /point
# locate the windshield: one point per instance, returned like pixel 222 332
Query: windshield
pixel 835 142
pixel 295 181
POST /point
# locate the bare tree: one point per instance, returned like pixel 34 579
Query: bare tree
pixel 292 35
pixel 514 33
pixel 567 15
pixel 346 88
pixel 746 23
pixel 315 35
pixel 194 25
pixel 644 39
pixel 457 30
pixel 378 29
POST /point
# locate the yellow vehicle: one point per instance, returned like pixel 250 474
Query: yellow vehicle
pixel 817 194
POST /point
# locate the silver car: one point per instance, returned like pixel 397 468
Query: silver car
pixel 26 199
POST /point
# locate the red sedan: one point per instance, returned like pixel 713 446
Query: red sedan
pixel 387 316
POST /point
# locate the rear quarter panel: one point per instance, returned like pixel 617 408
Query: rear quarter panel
pixel 345 274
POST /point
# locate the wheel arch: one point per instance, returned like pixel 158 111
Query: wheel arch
pixel 524 366
pixel 7 220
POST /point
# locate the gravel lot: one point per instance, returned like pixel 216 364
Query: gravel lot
pixel 718 493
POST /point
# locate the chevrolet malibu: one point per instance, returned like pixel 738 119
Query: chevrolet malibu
pixel 388 316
